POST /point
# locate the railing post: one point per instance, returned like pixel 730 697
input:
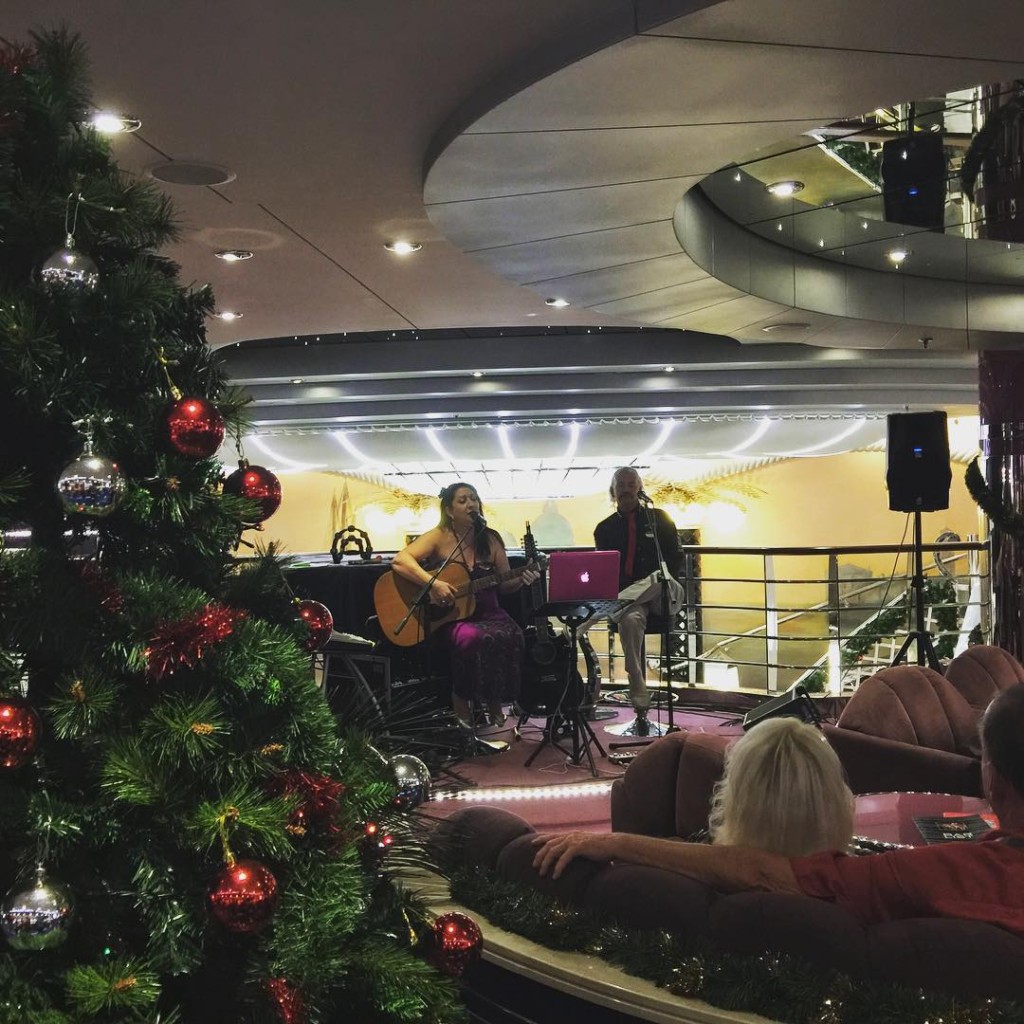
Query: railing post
pixel 771 625
pixel 835 629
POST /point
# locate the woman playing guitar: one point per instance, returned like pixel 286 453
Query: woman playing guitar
pixel 487 646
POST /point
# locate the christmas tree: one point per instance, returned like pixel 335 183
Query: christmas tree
pixel 185 834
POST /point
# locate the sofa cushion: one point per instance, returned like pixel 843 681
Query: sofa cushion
pixel 819 932
pixel 913 704
pixel 667 789
pixel 946 955
pixel 980 672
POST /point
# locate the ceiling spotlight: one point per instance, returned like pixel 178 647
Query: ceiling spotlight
pixel 478 373
pixel 782 189
pixel 228 314
pixel 557 303
pixel 402 248
pixel 670 369
pixel 114 124
pixel 298 380
pixel 234 255
pixel 898 255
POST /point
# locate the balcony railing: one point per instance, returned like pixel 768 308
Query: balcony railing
pixel 762 619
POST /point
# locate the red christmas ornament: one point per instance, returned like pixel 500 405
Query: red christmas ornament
pixel 194 427
pixel 184 642
pixel 19 732
pixel 243 896
pixel 257 484
pixel 458 942
pixel 320 796
pixel 320 621
pixel 288 1001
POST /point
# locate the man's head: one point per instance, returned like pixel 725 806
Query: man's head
pixel 1002 754
pixel 625 489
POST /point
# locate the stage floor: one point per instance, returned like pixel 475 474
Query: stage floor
pixel 554 793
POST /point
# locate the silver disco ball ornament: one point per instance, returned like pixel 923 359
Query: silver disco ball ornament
pixel 69 270
pixel 413 779
pixel 92 485
pixel 37 916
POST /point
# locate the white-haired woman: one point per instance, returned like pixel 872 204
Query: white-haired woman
pixel 783 790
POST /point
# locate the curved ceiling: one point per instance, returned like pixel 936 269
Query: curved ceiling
pixel 534 149
pixel 577 185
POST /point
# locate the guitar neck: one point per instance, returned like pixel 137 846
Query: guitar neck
pixel 485 582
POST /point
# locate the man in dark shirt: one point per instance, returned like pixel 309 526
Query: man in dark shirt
pixel 628 530
pixel 982 880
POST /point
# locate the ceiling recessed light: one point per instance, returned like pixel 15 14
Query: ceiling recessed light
pixel 234 255
pixel 898 255
pixel 191 172
pixel 402 248
pixel 529 314
pixel 478 373
pixel 298 380
pixel 228 314
pixel 557 303
pixel 782 189
pixel 670 369
pixel 109 123
pixel 794 326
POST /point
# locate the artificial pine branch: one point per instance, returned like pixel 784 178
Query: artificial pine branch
pixel 1005 518
pixel 132 775
pixel 111 987
pixel 85 705
pixel 255 823
pixel 186 730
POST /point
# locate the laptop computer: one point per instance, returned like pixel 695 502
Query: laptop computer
pixel 583 576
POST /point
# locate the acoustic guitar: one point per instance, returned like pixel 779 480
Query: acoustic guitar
pixel 393 596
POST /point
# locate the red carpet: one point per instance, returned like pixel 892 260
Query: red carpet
pixel 533 792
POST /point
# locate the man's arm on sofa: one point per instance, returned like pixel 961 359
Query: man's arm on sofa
pixel 725 868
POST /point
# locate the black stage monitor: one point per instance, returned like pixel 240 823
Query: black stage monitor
pixel 794 703
pixel 917 462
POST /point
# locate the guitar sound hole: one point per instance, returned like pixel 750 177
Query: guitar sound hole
pixel 543 652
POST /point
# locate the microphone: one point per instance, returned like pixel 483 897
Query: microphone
pixel 479 523
pixel 645 497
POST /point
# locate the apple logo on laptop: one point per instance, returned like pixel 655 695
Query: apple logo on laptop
pixel 584 577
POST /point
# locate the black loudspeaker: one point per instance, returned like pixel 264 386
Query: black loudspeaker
pixel 795 703
pixel 917 462
pixel 914 181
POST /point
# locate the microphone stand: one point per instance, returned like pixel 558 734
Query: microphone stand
pixel 666 660
pixel 421 598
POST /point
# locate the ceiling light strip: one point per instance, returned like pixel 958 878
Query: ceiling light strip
pixel 282 460
pixel 763 426
pixel 574 440
pixel 838 439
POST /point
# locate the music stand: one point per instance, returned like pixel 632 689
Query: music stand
pixel 572 614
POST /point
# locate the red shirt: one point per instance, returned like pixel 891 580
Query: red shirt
pixel 982 880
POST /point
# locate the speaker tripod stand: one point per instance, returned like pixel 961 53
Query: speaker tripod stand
pixel 919 636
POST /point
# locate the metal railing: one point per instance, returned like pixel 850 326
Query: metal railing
pixel 762 619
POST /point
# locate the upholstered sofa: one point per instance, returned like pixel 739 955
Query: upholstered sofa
pixel 981 672
pixel 959 957
pixel 907 728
